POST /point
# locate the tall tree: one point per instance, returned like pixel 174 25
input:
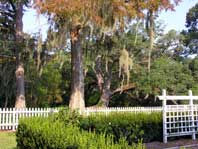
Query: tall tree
pixel 79 15
pixel 154 7
pixel 12 24
pixel 20 84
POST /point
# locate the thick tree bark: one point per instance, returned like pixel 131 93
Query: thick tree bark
pixel 6 102
pixel 20 99
pixel 151 35
pixel 104 84
pixel 106 94
pixel 20 93
pixel 77 84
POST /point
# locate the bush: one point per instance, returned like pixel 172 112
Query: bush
pixel 130 126
pixel 45 133
pixel 67 116
pixel 133 127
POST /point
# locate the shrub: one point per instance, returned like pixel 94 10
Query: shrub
pixel 66 116
pixel 45 133
pixel 130 126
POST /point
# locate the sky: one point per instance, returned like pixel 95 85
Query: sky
pixel 32 23
pixel 176 19
pixel 172 19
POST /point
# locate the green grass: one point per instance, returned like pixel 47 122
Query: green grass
pixel 7 140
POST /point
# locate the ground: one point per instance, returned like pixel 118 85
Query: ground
pixel 176 144
pixel 7 140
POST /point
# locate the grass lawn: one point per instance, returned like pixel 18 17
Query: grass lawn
pixel 7 140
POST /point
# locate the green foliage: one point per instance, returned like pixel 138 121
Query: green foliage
pixel 171 44
pixel 171 75
pixel 165 74
pixel 45 89
pixel 191 19
pixel 50 83
pixel 193 66
pixel 191 35
pixel 7 83
pixel 68 117
pixel 46 133
pixel 132 127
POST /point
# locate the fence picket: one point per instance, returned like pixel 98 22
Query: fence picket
pixel 10 118
pixel 13 119
pixel 6 118
pixel 0 119
pixel 3 118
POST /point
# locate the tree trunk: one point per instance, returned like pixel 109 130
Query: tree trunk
pixel 104 84
pixel 105 97
pixel 20 94
pixel 20 98
pixel 106 92
pixel 136 32
pixel 6 102
pixel 77 83
pixel 151 35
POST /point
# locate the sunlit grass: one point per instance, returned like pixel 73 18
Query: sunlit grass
pixel 7 140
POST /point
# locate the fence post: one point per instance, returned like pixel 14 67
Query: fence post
pixel 192 113
pixel 164 116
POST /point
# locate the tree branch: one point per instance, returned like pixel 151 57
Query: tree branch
pixel 98 73
pixel 124 88
pixel 12 4
pixel 6 13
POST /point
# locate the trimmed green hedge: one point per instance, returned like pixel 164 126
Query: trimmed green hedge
pixel 131 126
pixel 68 130
pixel 47 133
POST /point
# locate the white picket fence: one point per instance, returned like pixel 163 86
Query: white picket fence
pixel 9 117
pixel 108 110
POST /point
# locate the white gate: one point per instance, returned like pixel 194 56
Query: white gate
pixel 179 120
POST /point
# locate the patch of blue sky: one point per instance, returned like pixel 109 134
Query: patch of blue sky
pixel 176 19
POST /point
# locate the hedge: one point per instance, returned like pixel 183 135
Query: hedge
pixel 47 133
pixel 131 126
